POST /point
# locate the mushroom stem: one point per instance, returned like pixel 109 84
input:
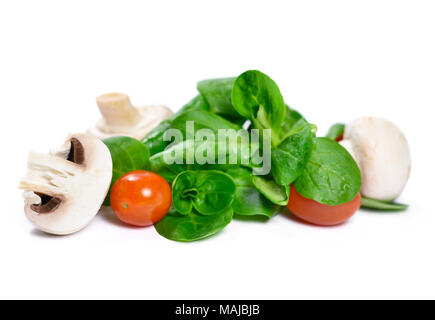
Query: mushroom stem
pixel 117 110
pixel 40 187
pixel 47 174
pixel 43 162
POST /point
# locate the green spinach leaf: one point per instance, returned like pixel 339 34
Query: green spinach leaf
pixel 271 190
pixel 336 131
pixel 331 176
pixel 248 201
pixel 197 103
pixel 128 154
pixel 258 98
pixel 208 191
pixel 202 119
pixel 291 117
pixel 217 93
pixel 382 205
pixel 193 226
pixel 154 140
pixel 177 153
pixel 291 156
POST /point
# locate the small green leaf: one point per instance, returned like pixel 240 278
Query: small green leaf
pixel 336 131
pixel 208 191
pixel 291 117
pixel 194 226
pixel 217 93
pixel 271 190
pixel 202 119
pixel 248 201
pixel 382 205
pixel 154 140
pixel 258 98
pixel 291 156
pixel 197 103
pixel 128 154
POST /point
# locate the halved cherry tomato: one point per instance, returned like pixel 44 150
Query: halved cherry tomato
pixel 141 198
pixel 321 214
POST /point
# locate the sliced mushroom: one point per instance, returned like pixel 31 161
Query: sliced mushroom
pixel 382 153
pixel 120 118
pixel 64 190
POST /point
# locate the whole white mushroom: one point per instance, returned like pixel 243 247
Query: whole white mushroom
pixel 382 153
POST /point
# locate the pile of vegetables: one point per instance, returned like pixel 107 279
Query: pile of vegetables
pixel 317 178
pixel 205 198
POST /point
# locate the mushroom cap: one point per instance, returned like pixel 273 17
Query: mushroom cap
pixel 74 180
pixel 121 118
pixel 150 117
pixel 382 153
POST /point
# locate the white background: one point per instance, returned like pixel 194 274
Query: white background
pixel 333 60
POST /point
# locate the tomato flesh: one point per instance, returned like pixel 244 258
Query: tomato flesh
pixel 141 198
pixel 321 214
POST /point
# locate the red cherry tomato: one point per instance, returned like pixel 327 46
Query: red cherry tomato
pixel 321 214
pixel 141 198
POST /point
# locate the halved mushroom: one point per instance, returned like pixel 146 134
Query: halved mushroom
pixel 120 118
pixel 64 190
pixel 382 153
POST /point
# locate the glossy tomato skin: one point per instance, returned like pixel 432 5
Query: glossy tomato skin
pixel 321 214
pixel 141 198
